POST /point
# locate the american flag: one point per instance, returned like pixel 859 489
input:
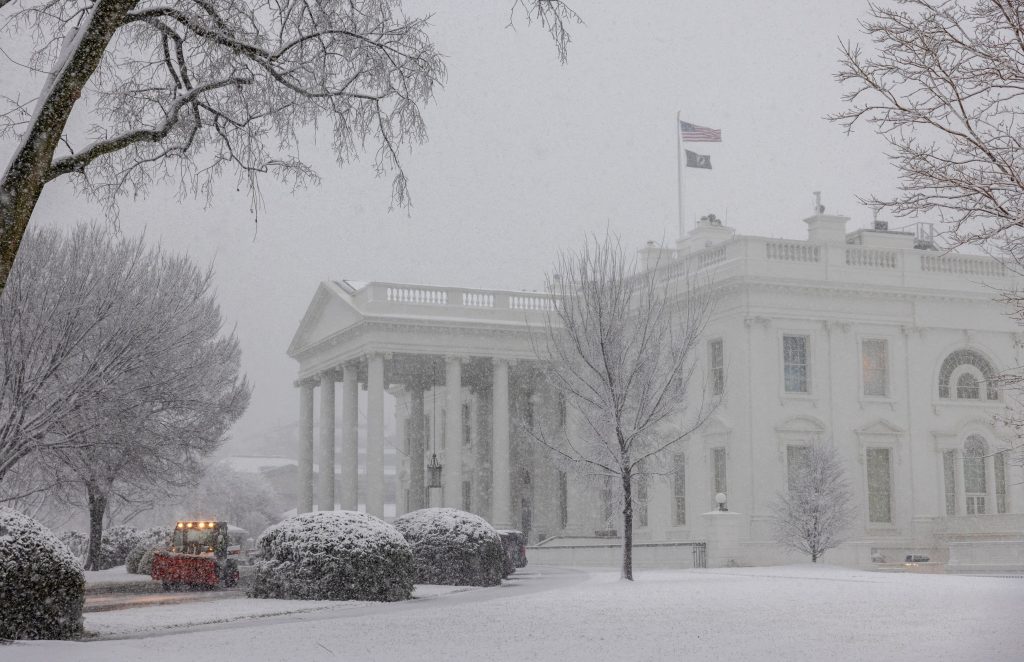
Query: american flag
pixel 693 133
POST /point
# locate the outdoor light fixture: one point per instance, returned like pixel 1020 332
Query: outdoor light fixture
pixel 435 471
pixel 720 500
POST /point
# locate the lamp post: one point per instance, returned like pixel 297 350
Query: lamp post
pixel 720 500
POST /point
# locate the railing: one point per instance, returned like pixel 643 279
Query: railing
pixel 962 264
pixel 478 299
pixel 417 295
pixel 876 258
pixel 530 302
pixel 792 251
pixel 711 256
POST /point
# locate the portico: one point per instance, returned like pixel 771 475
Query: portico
pixel 464 351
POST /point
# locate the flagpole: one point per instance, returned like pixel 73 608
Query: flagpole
pixel 679 170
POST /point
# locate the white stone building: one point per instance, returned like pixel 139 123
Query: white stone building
pixel 868 339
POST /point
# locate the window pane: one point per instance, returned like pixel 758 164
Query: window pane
pixel 719 472
pixel 640 501
pixel 949 478
pixel 875 366
pixel 679 488
pixel 796 461
pixel 1000 477
pixel 974 466
pixel 467 491
pixel 967 387
pixel 716 360
pixel 879 485
pixel 467 427
pixel 563 499
pixel 795 366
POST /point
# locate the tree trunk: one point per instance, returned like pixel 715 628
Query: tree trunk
pixel 627 526
pixel 29 169
pixel 97 508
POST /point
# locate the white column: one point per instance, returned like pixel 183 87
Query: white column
pixel 325 493
pixel 417 486
pixel 501 499
pixel 375 435
pixel 304 486
pixel 452 472
pixel 350 438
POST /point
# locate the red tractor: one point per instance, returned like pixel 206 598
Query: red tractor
pixel 197 558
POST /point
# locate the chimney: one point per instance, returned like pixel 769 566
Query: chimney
pixel 826 228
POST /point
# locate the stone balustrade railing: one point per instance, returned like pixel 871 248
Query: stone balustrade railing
pixel 752 256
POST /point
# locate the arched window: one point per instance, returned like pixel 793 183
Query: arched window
pixel 975 487
pixel 967 387
pixel 967 375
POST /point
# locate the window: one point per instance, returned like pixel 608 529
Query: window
pixel 640 501
pixel 795 364
pixel 1000 469
pixel 718 473
pixel 796 461
pixel 879 485
pixel 444 427
pixel 965 363
pixel 467 427
pixel 562 413
pixel 874 356
pixel 716 364
pixel 949 478
pixel 967 387
pixel 974 474
pixel 679 488
pixel 428 431
pixel 563 499
pixel 467 492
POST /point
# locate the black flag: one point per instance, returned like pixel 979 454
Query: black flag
pixel 695 160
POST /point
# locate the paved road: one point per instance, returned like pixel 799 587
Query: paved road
pixel 532 579
pixel 113 601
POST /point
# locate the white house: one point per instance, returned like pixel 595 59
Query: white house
pixel 871 339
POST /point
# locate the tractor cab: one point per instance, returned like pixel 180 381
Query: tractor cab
pixel 201 539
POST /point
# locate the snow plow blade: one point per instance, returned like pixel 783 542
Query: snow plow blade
pixel 171 568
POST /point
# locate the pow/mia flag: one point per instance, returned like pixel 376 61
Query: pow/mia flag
pixel 695 160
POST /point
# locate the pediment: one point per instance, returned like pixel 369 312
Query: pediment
pixel 802 424
pixel 330 311
pixel 880 427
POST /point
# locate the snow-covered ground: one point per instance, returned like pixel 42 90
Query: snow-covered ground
pixel 115 575
pixel 776 613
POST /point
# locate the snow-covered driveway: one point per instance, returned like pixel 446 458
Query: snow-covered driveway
pixel 778 613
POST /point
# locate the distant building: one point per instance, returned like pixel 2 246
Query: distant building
pixel 868 339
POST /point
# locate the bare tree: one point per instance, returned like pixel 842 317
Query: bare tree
pixel 180 90
pixel 812 516
pixel 942 83
pixel 620 348
pixel 167 396
pixel 63 300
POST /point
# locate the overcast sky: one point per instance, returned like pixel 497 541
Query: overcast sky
pixel 526 157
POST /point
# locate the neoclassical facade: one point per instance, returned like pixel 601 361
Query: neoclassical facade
pixel 870 340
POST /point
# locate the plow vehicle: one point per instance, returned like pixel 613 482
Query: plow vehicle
pixel 197 558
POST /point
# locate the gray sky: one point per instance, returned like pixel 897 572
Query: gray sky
pixel 526 157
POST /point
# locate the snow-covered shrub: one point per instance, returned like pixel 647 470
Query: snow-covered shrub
pixel 42 588
pixel 453 547
pixel 145 566
pixel 153 538
pixel 333 555
pixel 116 543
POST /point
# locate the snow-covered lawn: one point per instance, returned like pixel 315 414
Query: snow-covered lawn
pixel 775 613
